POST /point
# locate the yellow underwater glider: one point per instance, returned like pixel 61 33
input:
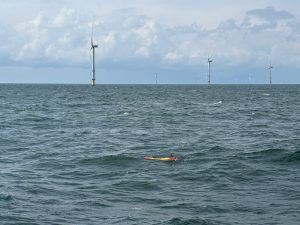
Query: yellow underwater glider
pixel 170 158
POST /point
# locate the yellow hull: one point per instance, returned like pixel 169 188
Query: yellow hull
pixel 160 158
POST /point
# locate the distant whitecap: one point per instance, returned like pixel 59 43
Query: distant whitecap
pixel 217 103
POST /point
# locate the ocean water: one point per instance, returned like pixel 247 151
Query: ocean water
pixel 73 154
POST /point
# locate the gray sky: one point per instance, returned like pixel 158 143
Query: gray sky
pixel 49 41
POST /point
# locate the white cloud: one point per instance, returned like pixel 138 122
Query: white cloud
pixel 147 37
pixel 173 57
pixel 65 17
pixel 124 36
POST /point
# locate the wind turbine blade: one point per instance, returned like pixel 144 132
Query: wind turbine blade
pixel 92 35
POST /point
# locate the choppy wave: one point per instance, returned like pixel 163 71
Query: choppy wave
pixel 291 157
pixel 6 197
pixel 192 221
pixel 267 152
pixel 217 103
pixel 77 157
pixel 109 160
pixel 276 155
pixel 212 104
pixel 136 185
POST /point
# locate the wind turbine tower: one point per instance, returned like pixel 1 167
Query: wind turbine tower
pixel 209 61
pixel 270 68
pixel 155 78
pixel 93 46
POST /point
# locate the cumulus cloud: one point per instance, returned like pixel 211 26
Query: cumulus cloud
pixel 47 41
pixel 266 18
pixel 271 14
pixel 127 38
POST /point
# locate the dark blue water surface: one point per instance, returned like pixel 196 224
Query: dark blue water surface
pixel 73 154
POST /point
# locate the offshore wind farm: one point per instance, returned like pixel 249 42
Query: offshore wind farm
pixel 54 46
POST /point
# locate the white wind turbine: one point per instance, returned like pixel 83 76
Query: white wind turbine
pixel 209 61
pixel 93 46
